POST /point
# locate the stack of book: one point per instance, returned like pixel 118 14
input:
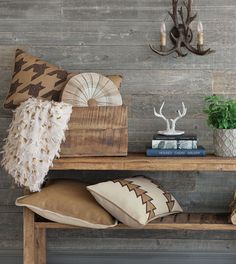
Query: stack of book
pixel 174 146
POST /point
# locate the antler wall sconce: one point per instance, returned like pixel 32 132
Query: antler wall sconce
pixel 181 34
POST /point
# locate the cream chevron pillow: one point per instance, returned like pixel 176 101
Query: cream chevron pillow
pixel 135 201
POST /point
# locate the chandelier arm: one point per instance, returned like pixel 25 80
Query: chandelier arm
pixel 197 51
pixel 163 53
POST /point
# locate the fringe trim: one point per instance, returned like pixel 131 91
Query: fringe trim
pixel 35 135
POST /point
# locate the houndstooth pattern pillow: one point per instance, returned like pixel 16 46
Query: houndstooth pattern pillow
pixel 34 77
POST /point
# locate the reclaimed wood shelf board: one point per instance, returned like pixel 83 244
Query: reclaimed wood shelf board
pixel 183 221
pixel 139 162
pixel 35 229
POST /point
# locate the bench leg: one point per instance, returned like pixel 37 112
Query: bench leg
pixel 41 247
pixel 29 237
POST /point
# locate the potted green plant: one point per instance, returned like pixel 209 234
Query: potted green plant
pixel 222 117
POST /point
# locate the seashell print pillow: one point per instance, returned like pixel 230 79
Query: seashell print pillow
pixel 116 78
pixel 91 89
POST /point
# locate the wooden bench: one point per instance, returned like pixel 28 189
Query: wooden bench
pixel 35 229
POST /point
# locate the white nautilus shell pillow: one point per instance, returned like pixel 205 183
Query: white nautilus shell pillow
pixel 91 89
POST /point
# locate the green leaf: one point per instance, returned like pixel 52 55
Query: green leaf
pixel 221 112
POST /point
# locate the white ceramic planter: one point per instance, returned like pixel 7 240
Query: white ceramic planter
pixel 225 142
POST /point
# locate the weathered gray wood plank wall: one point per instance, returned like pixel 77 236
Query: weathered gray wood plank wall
pixel 112 36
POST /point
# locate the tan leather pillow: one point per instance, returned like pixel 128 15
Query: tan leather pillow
pixel 68 202
pixel 34 77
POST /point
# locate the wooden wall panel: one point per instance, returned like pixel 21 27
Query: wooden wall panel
pixel 107 32
pixel 112 36
pixel 123 58
pixel 158 245
pixel 28 9
pixel 135 10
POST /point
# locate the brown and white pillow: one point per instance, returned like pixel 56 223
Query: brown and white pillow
pixel 135 201
pixel 116 79
pixel 34 77
pixel 68 202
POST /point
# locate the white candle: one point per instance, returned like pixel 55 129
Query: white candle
pixel 163 34
pixel 200 34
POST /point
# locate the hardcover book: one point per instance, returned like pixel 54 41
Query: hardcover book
pixel 175 137
pixel 174 144
pixel 199 152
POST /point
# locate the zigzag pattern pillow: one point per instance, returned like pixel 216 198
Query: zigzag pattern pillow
pixel 34 77
pixel 135 201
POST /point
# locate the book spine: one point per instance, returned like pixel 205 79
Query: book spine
pixel 174 144
pixel 175 152
pixel 177 137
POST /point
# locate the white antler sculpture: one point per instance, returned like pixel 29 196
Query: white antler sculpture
pixel 170 130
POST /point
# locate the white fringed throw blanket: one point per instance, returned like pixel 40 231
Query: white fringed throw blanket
pixel 35 135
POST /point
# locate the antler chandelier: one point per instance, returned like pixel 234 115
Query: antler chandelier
pixel 181 34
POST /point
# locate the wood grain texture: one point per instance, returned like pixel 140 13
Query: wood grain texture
pixel 59 241
pixel 74 34
pixel 29 237
pixel 224 83
pixel 98 57
pixel 137 57
pixel 144 3
pixel 179 181
pixel 78 10
pixel 173 222
pixel 27 9
pixel 141 162
pixel 130 256
pixel 97 131
pixel 41 246
pixel 105 33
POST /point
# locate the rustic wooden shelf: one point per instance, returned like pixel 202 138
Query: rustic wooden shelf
pixel 140 162
pixel 35 231
pixel 184 221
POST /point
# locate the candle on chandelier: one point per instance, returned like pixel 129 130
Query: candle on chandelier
pixel 200 35
pixel 163 35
